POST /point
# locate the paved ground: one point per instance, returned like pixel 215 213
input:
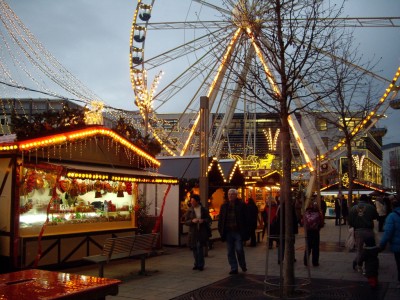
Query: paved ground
pixel 171 274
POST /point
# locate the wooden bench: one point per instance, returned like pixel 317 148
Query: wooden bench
pixel 141 245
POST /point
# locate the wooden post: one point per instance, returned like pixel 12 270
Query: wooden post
pixel 204 115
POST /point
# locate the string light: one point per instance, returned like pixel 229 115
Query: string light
pixel 75 136
pixel 272 140
pixel 359 160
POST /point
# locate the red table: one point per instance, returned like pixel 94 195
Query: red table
pixel 41 284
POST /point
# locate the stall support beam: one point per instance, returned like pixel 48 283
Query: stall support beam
pixel 204 115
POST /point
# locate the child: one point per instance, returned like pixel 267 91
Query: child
pixel 369 256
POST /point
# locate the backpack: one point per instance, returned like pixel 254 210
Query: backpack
pixel 312 220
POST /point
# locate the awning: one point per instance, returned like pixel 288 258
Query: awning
pixel 108 173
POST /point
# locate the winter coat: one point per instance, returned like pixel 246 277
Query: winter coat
pixel 362 215
pixel 319 219
pixel 252 215
pixel 198 231
pixel 241 221
pixel 392 231
pixel 295 228
pixel 345 208
pixel 274 209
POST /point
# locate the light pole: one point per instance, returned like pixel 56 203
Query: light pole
pixel 204 115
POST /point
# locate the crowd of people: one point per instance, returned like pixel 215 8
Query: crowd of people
pixel 238 221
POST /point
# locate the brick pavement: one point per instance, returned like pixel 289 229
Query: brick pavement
pixel 171 273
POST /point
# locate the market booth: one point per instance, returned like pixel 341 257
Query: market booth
pixel 62 195
pixel 331 192
pixel 221 175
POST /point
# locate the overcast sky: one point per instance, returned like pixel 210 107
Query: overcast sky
pixel 91 39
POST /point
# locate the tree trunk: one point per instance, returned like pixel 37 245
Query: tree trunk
pixel 288 261
pixel 350 171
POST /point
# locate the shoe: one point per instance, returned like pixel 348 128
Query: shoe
pixel 233 272
pixel 354 265
pixel 195 268
pixel 244 269
pixel 316 265
pixel 200 268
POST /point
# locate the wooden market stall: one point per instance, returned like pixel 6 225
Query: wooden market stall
pixel 221 175
pixel 62 195
pixel 331 192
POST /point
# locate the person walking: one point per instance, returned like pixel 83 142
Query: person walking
pixel 323 207
pixel 391 234
pixel 198 219
pixel 338 211
pixel 252 217
pixel 381 209
pixel 271 224
pixel 361 218
pixel 232 226
pixel 369 256
pixel 299 207
pixel 313 221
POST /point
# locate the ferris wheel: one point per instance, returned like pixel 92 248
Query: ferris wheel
pixel 206 49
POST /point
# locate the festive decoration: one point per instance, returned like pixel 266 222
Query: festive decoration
pixel 272 139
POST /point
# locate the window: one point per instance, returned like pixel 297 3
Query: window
pixel 321 125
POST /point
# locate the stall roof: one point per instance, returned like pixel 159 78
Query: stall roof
pixel 272 178
pixel 187 167
pixel 359 188
pixel 93 144
pixel 228 166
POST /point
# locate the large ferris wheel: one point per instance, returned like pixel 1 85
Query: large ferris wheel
pixel 209 53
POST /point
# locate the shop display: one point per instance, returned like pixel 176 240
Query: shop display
pixel 43 199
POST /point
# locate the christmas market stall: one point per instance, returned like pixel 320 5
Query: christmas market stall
pixel 221 176
pixel 331 192
pixel 62 195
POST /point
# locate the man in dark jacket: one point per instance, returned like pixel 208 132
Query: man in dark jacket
pixel 361 218
pixel 198 219
pixel 232 227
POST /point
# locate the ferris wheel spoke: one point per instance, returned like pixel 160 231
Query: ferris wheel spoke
pixel 213 6
pixel 189 47
pixel 184 79
pixel 187 25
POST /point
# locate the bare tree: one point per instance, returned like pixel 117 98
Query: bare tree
pixel 351 96
pixel 290 71
pixel 393 166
